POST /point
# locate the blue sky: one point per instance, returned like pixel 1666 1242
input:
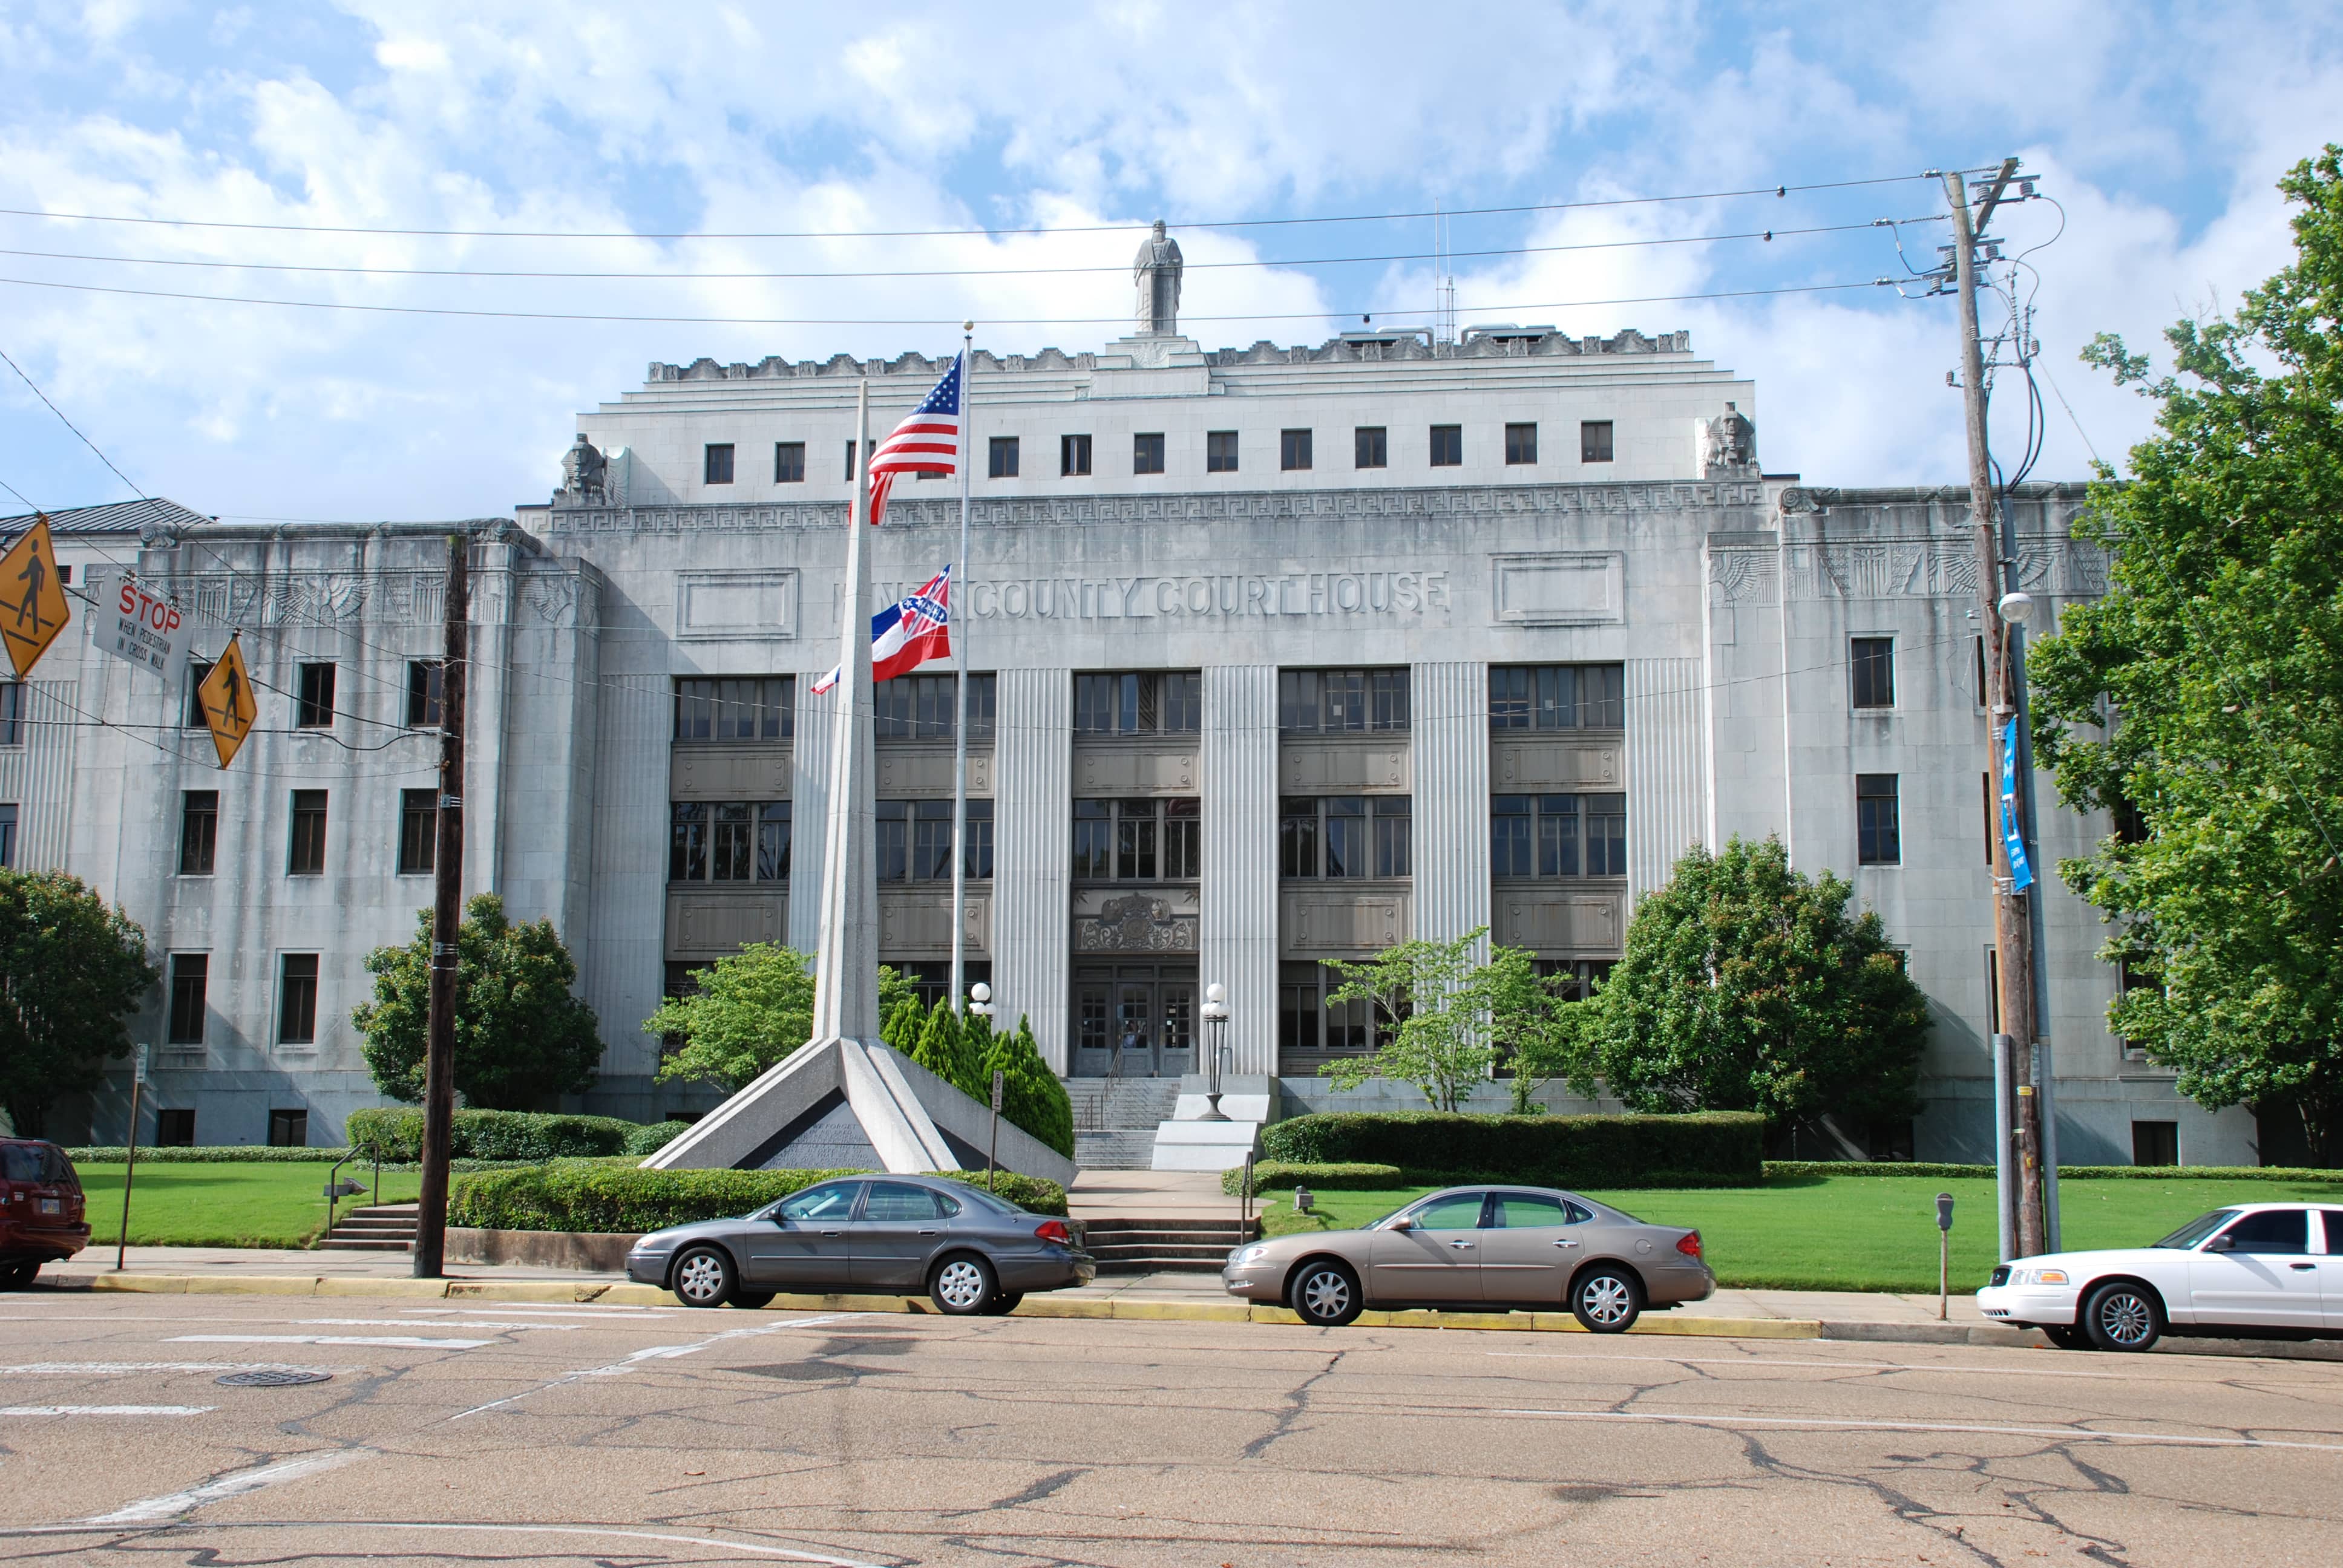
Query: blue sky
pixel 2158 129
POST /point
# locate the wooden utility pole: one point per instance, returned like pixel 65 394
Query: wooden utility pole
pixel 446 918
pixel 2012 932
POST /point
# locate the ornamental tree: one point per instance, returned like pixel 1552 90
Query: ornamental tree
pixel 1428 1018
pixel 2201 698
pixel 71 970
pixel 1537 1030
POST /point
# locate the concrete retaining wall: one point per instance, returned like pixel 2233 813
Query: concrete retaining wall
pixel 593 1252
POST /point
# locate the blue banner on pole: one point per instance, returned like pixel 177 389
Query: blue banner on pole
pixel 2021 873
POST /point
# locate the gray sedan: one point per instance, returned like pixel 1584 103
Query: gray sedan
pixel 1491 1246
pixel 971 1252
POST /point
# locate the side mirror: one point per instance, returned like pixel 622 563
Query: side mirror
pixel 2224 1242
pixel 1404 1223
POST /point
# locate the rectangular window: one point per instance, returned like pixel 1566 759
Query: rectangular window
pixel 773 830
pixel 1990 816
pixel 736 707
pixel 1221 452
pixel 1297 837
pixel 1001 461
pixel 7 835
pixel 1595 444
pixel 288 1129
pixel 914 840
pixel 1138 841
pixel 732 843
pixel 1521 444
pixel 789 462
pixel 1557 697
pixel 1981 694
pixel 199 671
pixel 1298 1014
pixel 424 691
pixel 926 707
pixel 314 708
pixel 1512 826
pixel 1093 839
pixel 1184 839
pixel 1607 835
pixel 686 844
pixel 1341 701
pixel 296 1000
pixel 1344 836
pixel 1556 835
pixel 190 975
pixel 1447 446
pixel 2131 977
pixel 12 713
pixel 1873 662
pixel 2158 1143
pixel 1369 448
pixel 1140 702
pixel 1292 450
pixel 174 1128
pixel 977 859
pixel 418 832
pixel 198 831
pixel 1878 827
pixel 1073 457
pixel 716 468
pixel 1146 453
pixel 1395 835
pixel 1134 841
pixel 306 855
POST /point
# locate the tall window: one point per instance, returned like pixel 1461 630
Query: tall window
pixel 1001 458
pixel 1292 450
pixel 307 856
pixel 925 707
pixel 1140 702
pixel 1878 827
pixel 1595 441
pixel 1341 701
pixel 190 975
pixel 976 855
pixel 716 468
pixel 1073 457
pixel 1873 662
pixel 1606 834
pixel 849 456
pixel 1344 836
pixel 1558 836
pixel 1369 449
pixel 1221 452
pixel 296 1000
pixel 1447 446
pixel 915 840
pixel 789 462
pixel 198 831
pixel 12 713
pixel 1139 840
pixel 1557 697
pixel 419 829
pixel 314 708
pixel 424 691
pixel 1146 453
pixel 1306 1020
pixel 7 835
pixel 200 671
pixel 740 708
pixel 1521 444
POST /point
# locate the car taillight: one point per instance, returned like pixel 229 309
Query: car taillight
pixel 1689 1243
pixel 1054 1231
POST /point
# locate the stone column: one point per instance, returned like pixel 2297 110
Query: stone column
pixel 1032 854
pixel 809 810
pixel 1237 941
pixel 1667 792
pixel 1450 741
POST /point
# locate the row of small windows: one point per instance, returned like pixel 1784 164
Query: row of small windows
pixel 764 708
pixel 315 688
pixel 305 853
pixel 297 1012
pixel 1296 452
pixel 1139 840
pixel 1345 836
pixel 1558 835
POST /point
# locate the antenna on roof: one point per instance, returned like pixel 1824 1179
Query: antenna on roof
pixel 1444 282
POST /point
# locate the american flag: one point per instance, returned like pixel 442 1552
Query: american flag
pixel 926 443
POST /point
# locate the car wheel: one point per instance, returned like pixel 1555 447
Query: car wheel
pixel 703 1277
pixel 2066 1336
pixel 752 1299
pixel 1606 1301
pixel 1326 1295
pixel 962 1284
pixel 18 1276
pixel 1002 1305
pixel 2122 1316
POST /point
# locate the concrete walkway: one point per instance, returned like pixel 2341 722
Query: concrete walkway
pixel 1150 1195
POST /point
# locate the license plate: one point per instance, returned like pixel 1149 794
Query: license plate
pixel 52 1205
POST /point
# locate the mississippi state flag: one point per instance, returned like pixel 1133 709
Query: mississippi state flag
pixel 926 443
pixel 907 633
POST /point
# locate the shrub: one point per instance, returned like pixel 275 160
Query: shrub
pixel 1355 1177
pixel 213 1154
pixel 1032 1097
pixel 1706 1148
pixel 1938 1173
pixel 494 1134
pixel 657 1136
pixel 604 1195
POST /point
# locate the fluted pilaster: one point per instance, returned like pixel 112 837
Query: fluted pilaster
pixel 1032 857
pixel 1238 933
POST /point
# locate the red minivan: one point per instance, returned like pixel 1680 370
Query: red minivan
pixel 40 1218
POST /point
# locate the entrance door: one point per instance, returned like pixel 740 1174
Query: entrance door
pixel 1175 1038
pixel 1134 1029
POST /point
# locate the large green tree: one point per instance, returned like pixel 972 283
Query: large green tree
pixel 71 969
pixel 520 1034
pixel 750 1009
pixel 2201 698
pixel 1748 986
pixel 1428 1018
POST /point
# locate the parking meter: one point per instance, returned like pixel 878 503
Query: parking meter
pixel 1943 1253
pixel 1944 1210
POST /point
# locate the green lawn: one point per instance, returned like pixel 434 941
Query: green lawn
pixel 198 1205
pixel 1873 1232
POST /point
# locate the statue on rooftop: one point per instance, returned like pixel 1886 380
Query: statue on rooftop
pixel 585 474
pixel 1157 273
pixel 1728 446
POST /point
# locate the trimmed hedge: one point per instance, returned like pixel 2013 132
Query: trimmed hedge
pixel 1355 1177
pixel 652 1138
pixel 218 1154
pixel 1711 1148
pixel 1775 1168
pixel 495 1134
pixel 607 1195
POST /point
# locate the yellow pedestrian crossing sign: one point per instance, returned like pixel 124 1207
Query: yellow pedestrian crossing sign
pixel 32 601
pixel 228 703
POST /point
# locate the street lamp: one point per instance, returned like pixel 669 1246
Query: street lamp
pixel 1216 1032
pixel 979 1000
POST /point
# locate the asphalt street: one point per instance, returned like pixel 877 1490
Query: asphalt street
pixel 476 1434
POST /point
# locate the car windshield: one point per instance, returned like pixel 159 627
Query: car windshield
pixel 832 1201
pixel 2200 1228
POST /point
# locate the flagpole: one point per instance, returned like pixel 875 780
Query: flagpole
pixel 957 605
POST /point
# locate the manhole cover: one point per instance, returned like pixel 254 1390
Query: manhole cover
pixel 274 1378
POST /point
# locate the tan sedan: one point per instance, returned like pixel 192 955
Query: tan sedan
pixel 1480 1248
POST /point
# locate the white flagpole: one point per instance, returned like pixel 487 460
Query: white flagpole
pixel 959 623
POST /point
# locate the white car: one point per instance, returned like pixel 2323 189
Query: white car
pixel 2250 1270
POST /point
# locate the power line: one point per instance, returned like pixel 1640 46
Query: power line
pixel 1774 190
pixel 70 426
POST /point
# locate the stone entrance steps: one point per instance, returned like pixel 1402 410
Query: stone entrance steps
pixel 1115 1120
pixel 383 1228
pixel 1141 1246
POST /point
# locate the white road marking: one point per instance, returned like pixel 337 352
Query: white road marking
pixel 656 1353
pixel 393 1341
pixel 125 1368
pixel 744 1547
pixel 583 1310
pixel 1753 1361
pixel 153 1510
pixel 440 1324
pixel 1731 1419
pixel 33 1410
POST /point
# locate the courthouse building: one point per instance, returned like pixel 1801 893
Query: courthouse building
pixel 1286 653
